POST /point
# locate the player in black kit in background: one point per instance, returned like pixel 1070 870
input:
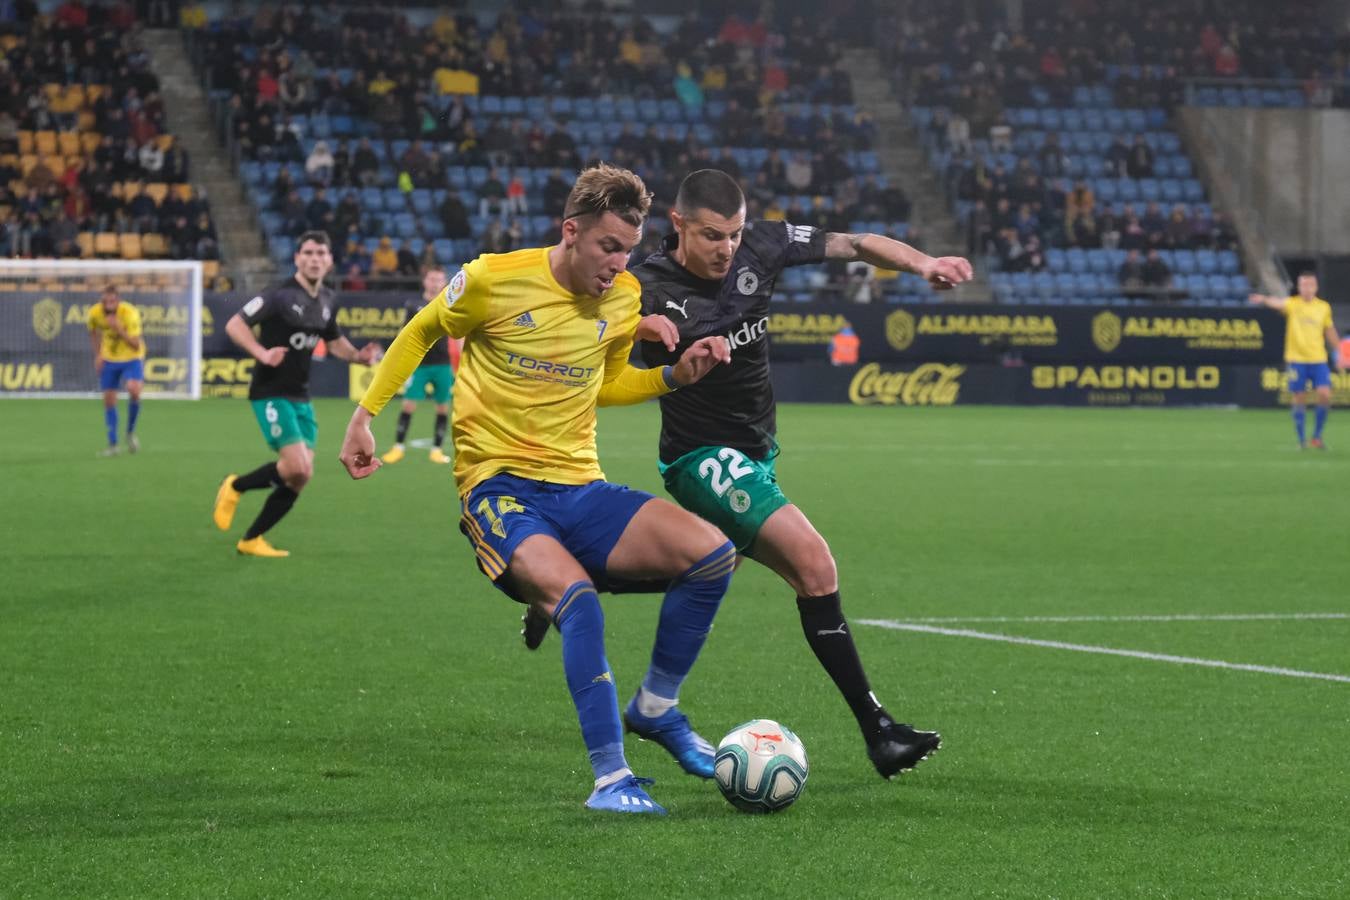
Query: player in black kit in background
pixel 293 316
pixel 715 275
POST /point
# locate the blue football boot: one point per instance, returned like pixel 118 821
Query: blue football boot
pixel 626 796
pixel 671 730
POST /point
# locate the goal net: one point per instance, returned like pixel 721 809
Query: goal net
pixel 45 350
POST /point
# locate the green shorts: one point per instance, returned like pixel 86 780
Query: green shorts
pixel 441 379
pixel 729 489
pixel 285 421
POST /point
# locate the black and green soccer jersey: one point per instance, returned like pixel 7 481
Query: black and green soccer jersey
pixel 289 317
pixel 733 405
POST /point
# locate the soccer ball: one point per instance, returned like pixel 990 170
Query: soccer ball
pixel 760 766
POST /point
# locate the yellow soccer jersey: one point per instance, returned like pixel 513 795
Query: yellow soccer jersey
pixel 1305 334
pixel 537 360
pixel 114 348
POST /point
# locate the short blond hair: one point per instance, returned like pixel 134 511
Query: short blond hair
pixel 605 188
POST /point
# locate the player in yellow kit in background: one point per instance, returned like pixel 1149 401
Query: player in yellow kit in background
pixel 548 332
pixel 119 359
pixel 1308 330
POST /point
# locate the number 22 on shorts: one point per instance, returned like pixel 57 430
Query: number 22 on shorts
pixel 737 467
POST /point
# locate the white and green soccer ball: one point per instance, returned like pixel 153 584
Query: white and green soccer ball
pixel 760 766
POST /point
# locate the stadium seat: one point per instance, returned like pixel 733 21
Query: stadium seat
pixel 129 246
pixel 154 246
pixel 105 244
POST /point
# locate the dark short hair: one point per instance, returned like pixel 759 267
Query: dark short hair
pixel 609 189
pixel 1307 273
pixel 710 189
pixel 318 237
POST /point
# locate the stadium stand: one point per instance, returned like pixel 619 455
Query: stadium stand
pixel 1055 147
pixel 87 168
pixel 488 120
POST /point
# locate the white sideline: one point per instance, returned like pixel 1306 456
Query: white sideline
pixel 1108 651
pixel 1183 617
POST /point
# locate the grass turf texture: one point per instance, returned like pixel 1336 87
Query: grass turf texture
pixel 361 719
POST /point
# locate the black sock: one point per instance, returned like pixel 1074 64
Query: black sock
pixel 277 504
pixel 827 632
pixel 261 477
pixel 404 420
pixel 441 421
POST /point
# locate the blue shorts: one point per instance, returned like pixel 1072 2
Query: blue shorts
pixel 587 519
pixel 112 375
pixel 1301 373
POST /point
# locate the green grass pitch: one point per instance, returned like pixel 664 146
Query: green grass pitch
pixel 362 720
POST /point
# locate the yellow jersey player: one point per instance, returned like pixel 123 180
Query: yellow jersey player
pixel 1308 329
pixel 547 334
pixel 119 361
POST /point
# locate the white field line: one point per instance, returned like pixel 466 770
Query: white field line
pixel 1183 617
pixel 1107 651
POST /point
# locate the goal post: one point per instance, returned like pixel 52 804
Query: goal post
pixel 44 339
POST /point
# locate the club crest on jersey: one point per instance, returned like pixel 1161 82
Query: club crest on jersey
pixel 747 282
pixel 455 289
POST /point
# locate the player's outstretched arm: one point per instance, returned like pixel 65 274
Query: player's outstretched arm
pixel 942 272
pixel 1275 303
pixel 346 351
pixel 629 384
pixel 358 446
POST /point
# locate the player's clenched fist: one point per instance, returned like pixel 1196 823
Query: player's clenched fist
pixel 946 272
pixel 358 446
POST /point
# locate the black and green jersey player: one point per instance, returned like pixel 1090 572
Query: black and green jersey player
pixel 434 372
pixel 291 316
pixel 715 275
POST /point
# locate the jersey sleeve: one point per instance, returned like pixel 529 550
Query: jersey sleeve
pixel 794 245
pixel 404 355
pixel 1327 320
pixel 258 309
pixel 91 320
pixel 462 305
pixel 622 383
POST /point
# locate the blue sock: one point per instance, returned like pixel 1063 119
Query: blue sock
pixel 686 617
pixel 1319 421
pixel 133 410
pixel 110 418
pixel 1301 424
pixel 582 624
